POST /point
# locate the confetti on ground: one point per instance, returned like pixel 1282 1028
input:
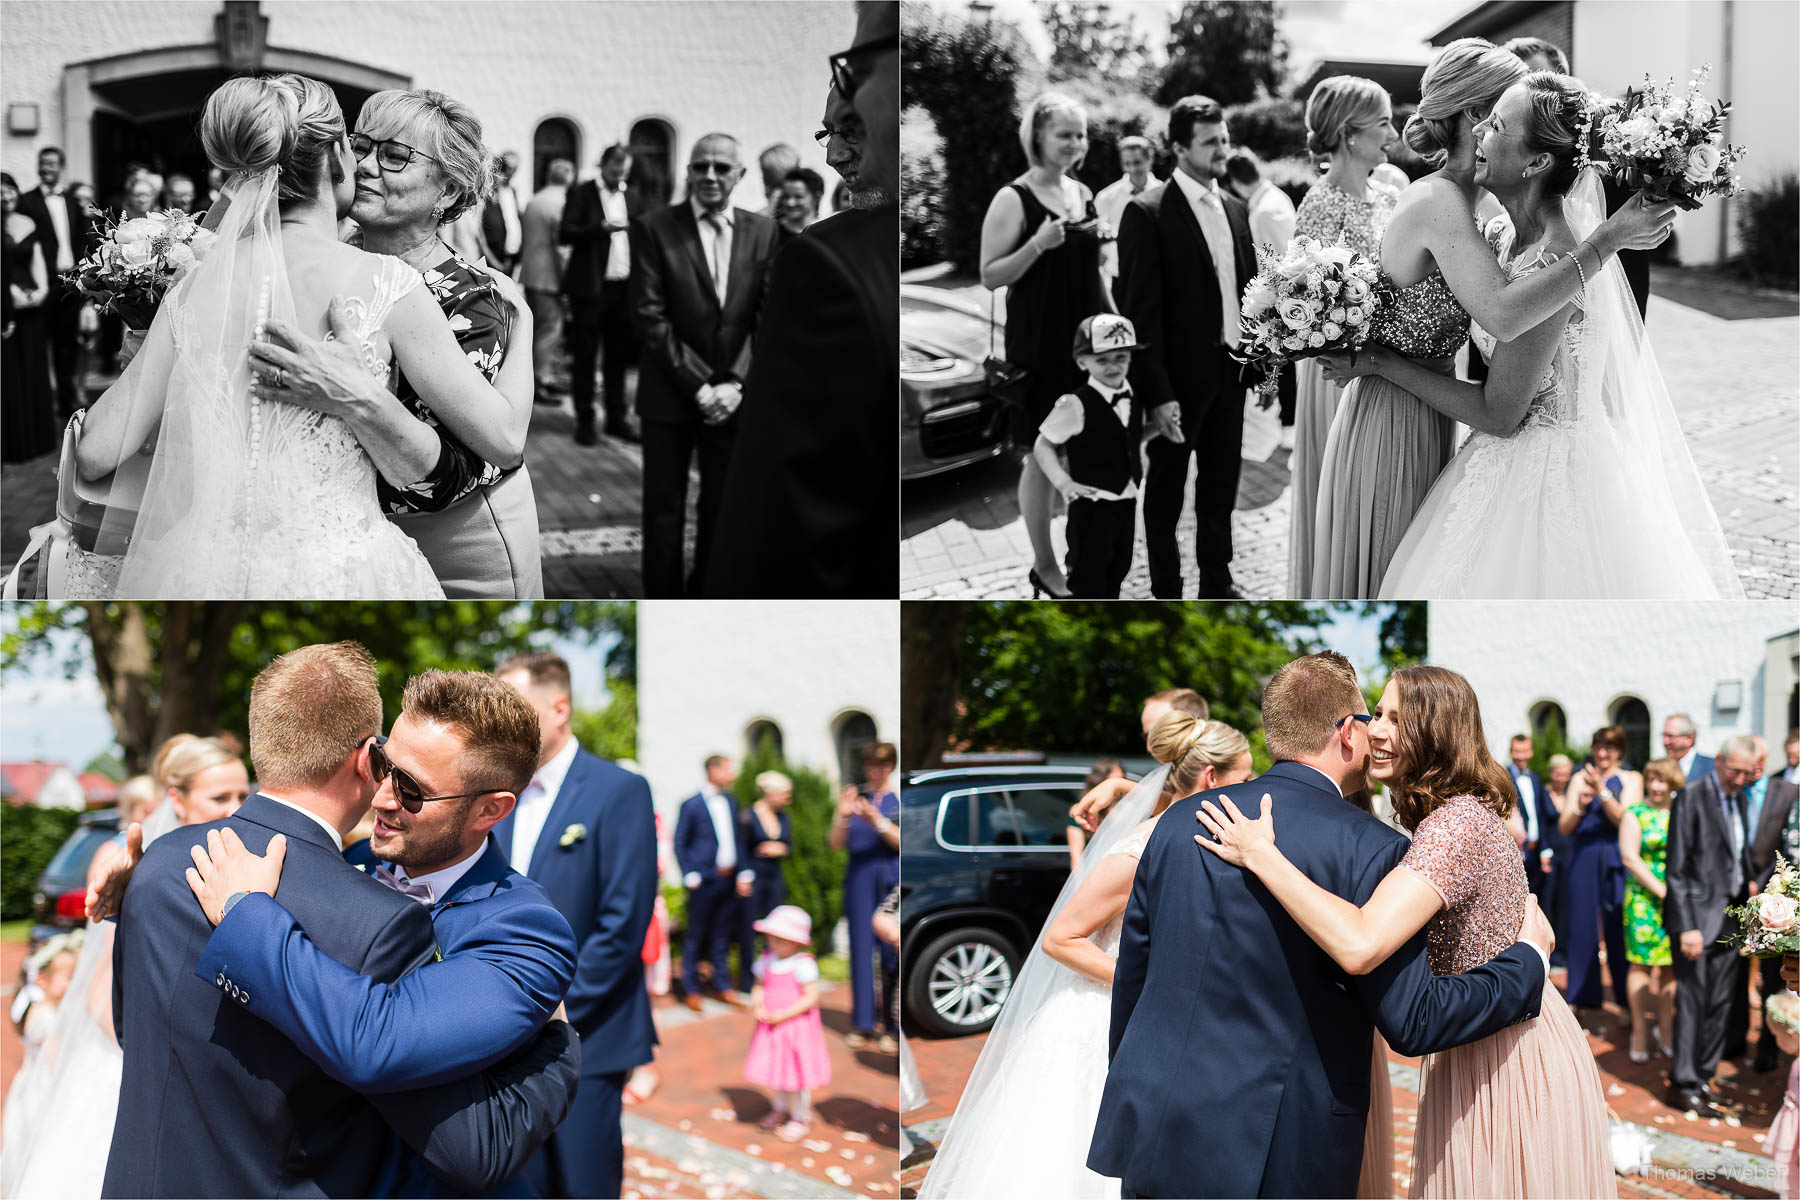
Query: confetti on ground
pixel 838 1176
pixel 753 1150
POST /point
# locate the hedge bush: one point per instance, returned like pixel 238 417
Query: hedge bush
pixel 1768 221
pixel 921 191
pixel 29 839
pixel 1273 128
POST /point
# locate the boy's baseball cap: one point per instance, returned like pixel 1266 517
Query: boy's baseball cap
pixel 1104 333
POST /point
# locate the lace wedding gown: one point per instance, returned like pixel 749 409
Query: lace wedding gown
pixel 1577 502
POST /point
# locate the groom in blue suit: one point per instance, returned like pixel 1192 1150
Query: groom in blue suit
pixel 711 850
pixel 1239 1051
pixel 585 830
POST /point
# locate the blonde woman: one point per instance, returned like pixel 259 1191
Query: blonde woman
pixel 1644 848
pixel 1027 1113
pixel 1041 241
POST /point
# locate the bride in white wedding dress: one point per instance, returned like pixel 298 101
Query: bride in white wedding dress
pixel 245 494
pixel 1576 481
pixel 1026 1117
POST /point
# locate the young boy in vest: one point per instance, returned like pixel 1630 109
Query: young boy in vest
pixel 1090 447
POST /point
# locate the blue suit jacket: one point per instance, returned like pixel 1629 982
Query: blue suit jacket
pixel 1240 1051
pixel 1703 766
pixel 216 1102
pixel 604 883
pixel 697 842
pixel 1549 838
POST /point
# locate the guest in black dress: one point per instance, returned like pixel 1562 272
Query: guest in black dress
pixel 1041 241
pixel 26 400
pixel 769 837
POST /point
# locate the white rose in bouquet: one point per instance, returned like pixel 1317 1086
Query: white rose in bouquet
pixel 1293 342
pixel 1315 339
pixel 1353 316
pixel 1336 314
pixel 1333 331
pixel 136 253
pixel 1296 313
pixel 138 230
pixel 180 259
pixel 1337 256
pixel 1776 913
pixel 1355 290
pixel 1702 163
pixel 1639 135
pixel 1294 266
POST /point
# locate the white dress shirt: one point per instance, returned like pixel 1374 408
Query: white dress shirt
pixel 1209 210
pixel 1110 204
pixel 509 216
pixel 337 839
pixel 59 220
pixel 1527 807
pixel 442 880
pixel 724 821
pixel 1068 418
pixel 618 258
pixel 533 808
pixel 1272 217
pixel 715 242
pixel 1687 762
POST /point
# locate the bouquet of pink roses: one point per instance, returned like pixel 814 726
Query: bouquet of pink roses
pixel 1671 146
pixel 1314 299
pixel 138 261
pixel 1769 922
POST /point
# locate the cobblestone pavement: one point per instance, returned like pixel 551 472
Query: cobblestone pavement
pixel 1690 1157
pixel 1730 357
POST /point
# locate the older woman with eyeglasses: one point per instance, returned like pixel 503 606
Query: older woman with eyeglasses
pixel 421 165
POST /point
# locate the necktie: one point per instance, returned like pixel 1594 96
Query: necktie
pixel 1136 188
pixel 721 251
pixel 1735 822
pixel 406 887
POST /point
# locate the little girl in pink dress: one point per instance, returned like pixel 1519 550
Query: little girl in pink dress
pixel 1781 1013
pixel 787 1051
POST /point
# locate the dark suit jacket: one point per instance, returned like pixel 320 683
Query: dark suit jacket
pixel 1698 870
pixel 1549 837
pixel 214 1102
pixel 604 884
pixel 34 205
pixel 1169 287
pixel 1703 766
pixel 688 339
pixel 583 227
pixel 1778 806
pixel 493 226
pixel 1240 1051
pixel 696 842
pixel 812 500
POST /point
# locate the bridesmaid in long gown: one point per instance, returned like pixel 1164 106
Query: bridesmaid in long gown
pixel 1519 1113
pixel 1349 122
pixel 1386 447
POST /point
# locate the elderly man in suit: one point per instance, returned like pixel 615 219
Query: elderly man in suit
pixel 541 262
pixel 1678 744
pixel 699 274
pixel 585 830
pixel 715 868
pixel 814 471
pixel 1709 869
pixel 1184 256
pixel 66 234
pixel 595 226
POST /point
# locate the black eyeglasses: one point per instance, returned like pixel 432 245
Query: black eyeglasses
pixel 1365 718
pixel 412 797
pixel 849 133
pixel 846 79
pixel 389 154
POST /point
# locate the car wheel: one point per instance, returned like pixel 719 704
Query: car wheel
pixel 958 982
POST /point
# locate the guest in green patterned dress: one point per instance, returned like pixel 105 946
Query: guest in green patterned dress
pixel 1643 846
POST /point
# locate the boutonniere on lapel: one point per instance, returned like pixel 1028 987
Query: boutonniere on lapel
pixel 572 834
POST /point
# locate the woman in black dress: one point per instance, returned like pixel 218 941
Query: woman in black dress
pixel 1041 241
pixel 25 398
pixel 769 838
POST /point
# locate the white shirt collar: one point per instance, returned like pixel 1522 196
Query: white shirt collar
pixel 1194 190
pixel 1107 394
pixel 1329 781
pixel 1687 761
pixel 708 792
pixel 550 776
pixel 443 879
pixel 337 839
pixel 700 214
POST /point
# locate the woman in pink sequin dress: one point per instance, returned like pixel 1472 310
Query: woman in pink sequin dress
pixel 1520 1113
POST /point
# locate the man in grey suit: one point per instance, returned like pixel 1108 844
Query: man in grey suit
pixel 541 263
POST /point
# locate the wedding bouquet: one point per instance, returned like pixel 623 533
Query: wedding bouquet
pixel 1769 922
pixel 138 261
pixel 1671 146
pixel 1314 299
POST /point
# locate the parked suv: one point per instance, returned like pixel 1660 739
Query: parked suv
pixel 986 852
pixel 60 903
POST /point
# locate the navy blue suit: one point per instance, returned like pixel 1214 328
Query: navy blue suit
pixel 712 906
pixel 1544 808
pixel 1703 766
pixel 1239 1051
pixel 215 1102
pixel 604 883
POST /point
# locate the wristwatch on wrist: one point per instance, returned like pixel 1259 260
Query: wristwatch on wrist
pixel 230 901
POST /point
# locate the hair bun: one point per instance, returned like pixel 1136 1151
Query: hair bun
pixel 249 124
pixel 1173 736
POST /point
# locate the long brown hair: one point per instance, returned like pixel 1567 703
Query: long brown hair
pixel 1442 748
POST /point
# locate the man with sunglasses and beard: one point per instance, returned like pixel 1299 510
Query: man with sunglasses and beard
pixel 312 1110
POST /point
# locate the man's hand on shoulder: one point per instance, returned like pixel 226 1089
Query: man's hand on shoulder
pixel 227 867
pixel 106 893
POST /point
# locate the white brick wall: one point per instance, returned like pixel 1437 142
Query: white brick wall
pixel 1585 656
pixel 757 70
pixel 706 670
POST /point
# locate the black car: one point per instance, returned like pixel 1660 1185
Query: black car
pixel 986 851
pixel 60 903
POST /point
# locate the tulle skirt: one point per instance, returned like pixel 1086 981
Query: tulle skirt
pixel 1520 1113
pixel 1385 450
pixel 1315 404
pixel 1376 1182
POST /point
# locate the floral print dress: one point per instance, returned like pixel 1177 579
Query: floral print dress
pixel 1646 941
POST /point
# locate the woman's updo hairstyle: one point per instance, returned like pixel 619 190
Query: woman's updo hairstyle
pixel 1189 745
pixel 1470 73
pixel 1557 125
pixel 284 121
pixel 184 756
pixel 1337 104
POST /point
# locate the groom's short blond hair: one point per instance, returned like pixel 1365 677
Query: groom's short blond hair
pixel 1305 700
pixel 309 711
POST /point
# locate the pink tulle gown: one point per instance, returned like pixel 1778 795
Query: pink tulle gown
pixel 791 1056
pixel 1520 1113
pixel 1376 1182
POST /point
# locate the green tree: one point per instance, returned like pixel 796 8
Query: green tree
pixel 186 666
pixel 1089 41
pixel 29 838
pixel 610 732
pixel 814 872
pixel 108 764
pixel 1230 50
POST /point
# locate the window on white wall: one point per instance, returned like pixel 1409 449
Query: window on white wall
pixel 652 157
pixel 759 731
pixel 855 730
pixel 1633 716
pixel 1548 722
pixel 556 137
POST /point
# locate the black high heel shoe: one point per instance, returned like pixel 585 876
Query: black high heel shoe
pixel 1040 588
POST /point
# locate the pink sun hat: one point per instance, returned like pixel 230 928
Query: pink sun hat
pixel 787 921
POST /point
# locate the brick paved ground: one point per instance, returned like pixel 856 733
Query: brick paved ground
pixel 1730 357
pixel 1692 1157
pixel 12 1050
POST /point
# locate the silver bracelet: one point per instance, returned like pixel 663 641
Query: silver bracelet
pixel 1581 271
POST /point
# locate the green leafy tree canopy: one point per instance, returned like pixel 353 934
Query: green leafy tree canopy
pixel 1230 50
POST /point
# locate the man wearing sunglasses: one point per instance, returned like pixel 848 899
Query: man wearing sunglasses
pixel 315 1103
pixel 813 499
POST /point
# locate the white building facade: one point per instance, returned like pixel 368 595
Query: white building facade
pixel 1733 667
pixel 714 677
pixel 113 81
